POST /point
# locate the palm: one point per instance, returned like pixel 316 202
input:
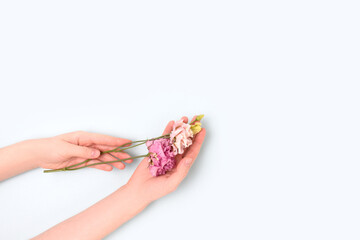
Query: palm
pixel 73 148
pixel 156 187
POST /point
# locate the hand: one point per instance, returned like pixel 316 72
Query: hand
pixel 152 188
pixel 72 148
pixel 111 212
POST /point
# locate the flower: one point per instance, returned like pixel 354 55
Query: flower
pixel 162 149
pixel 181 137
pixel 196 127
pixel 161 156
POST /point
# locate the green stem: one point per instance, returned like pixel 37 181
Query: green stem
pixel 142 142
pixel 109 151
pixel 99 163
pixel 87 160
pixel 193 121
pixel 117 149
pixel 70 168
pixel 114 156
pixel 126 144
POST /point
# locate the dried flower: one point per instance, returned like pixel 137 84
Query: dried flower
pixel 162 149
pixel 162 158
pixel 181 137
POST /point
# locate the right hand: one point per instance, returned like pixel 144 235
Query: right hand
pixel 151 188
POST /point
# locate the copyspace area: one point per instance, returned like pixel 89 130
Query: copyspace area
pixel 278 82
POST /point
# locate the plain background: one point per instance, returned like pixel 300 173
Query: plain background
pixel 278 82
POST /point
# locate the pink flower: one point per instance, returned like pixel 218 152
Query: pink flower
pixel 162 158
pixel 181 137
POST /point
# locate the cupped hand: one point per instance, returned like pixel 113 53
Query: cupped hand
pixel 152 188
pixel 75 147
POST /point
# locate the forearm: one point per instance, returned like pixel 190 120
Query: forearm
pixel 100 219
pixel 17 158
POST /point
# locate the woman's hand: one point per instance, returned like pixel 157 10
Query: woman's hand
pixel 111 212
pixel 60 151
pixel 152 188
pixel 72 148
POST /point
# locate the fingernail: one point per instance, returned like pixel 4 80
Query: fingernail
pixel 188 162
pixel 95 153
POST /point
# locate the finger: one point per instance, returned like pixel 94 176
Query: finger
pixel 143 168
pixel 104 167
pixel 178 158
pixel 106 147
pixel 118 165
pixel 144 163
pixel 170 125
pixel 185 119
pixel 122 155
pixel 193 119
pixel 86 138
pixel 108 158
pixel 194 149
pixel 82 152
pixel 187 161
pixel 168 128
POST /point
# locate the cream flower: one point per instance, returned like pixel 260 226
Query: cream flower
pixel 181 136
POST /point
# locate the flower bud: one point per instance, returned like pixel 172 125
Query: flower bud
pixel 199 117
pixel 196 127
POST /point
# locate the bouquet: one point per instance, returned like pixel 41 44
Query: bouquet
pixel 161 150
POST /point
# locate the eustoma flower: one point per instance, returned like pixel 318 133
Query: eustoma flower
pixel 162 150
pixel 161 158
pixel 181 136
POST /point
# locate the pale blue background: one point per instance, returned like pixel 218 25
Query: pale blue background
pixel 278 82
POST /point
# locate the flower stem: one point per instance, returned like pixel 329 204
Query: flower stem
pixel 71 168
pixel 118 149
pixel 99 163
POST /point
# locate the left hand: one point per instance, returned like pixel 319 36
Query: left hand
pixel 72 148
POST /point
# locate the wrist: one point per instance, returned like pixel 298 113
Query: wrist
pixel 137 194
pixel 15 159
pixel 30 151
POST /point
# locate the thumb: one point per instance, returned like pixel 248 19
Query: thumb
pixel 182 170
pixel 84 152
